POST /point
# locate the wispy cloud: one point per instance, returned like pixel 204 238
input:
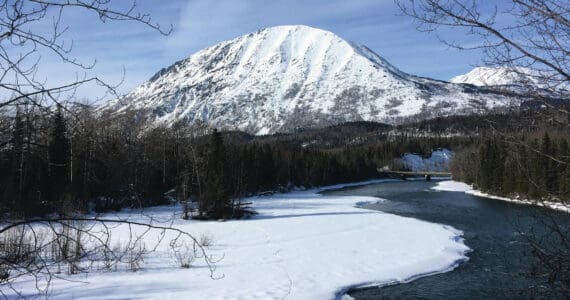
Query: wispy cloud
pixel 119 46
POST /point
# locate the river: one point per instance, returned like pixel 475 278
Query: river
pixel 500 264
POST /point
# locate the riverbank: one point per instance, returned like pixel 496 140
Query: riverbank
pixel 301 245
pixel 454 186
pixel 499 233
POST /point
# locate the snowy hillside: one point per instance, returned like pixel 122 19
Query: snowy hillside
pixel 286 77
pixel 502 76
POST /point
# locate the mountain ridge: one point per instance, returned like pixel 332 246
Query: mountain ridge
pixel 286 77
pixel 521 79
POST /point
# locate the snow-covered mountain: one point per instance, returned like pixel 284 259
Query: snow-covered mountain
pixel 511 77
pixel 286 77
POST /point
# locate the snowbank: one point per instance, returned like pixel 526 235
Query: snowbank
pixel 548 204
pixel 302 245
pixel 454 186
pixel 437 162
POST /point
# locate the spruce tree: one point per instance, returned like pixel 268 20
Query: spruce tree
pixel 15 189
pixel 534 170
pixel 486 167
pixel 564 171
pixel 266 167
pixel 59 150
pixel 548 165
pixel 216 194
pixel 509 176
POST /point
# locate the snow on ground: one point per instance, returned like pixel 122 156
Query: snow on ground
pixel 454 186
pixel 301 245
pixel 437 162
pixel 549 204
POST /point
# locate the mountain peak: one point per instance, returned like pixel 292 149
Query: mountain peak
pixel 493 76
pixel 516 78
pixel 286 77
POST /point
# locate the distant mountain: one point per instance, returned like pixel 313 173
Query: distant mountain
pixel 515 78
pixel 288 77
pixel 486 76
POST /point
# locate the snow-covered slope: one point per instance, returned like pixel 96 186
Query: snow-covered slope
pixel 286 77
pixel 514 77
pixel 487 76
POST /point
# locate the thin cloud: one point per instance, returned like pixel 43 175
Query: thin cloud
pixel 141 52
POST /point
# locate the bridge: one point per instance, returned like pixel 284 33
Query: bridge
pixel 403 174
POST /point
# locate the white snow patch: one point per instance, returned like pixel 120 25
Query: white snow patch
pixel 452 186
pixel 437 162
pixel 302 245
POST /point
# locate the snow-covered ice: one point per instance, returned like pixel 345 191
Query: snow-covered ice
pixel 301 245
pixel 454 186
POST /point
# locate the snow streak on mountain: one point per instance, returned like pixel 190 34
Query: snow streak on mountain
pixel 287 77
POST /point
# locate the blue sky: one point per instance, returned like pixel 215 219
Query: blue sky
pixel 138 52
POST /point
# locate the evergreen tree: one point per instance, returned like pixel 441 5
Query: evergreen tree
pixel 509 176
pixel 485 166
pixel 533 170
pixel 548 165
pixel 266 168
pixel 564 171
pixel 59 150
pixel 216 194
pixel 13 193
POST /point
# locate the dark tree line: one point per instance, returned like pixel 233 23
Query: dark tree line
pixel 76 162
pixel 67 162
pixel 532 167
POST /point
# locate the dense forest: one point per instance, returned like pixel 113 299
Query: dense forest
pixel 524 154
pixel 535 167
pixel 73 160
